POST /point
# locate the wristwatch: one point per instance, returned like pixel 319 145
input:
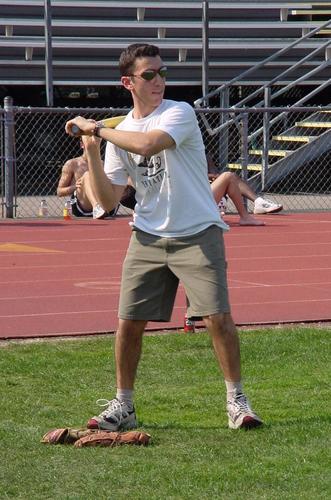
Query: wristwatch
pixel 98 126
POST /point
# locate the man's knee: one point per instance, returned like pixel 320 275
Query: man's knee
pixel 222 323
pixel 131 327
pixel 228 177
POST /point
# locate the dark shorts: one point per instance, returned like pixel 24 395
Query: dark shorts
pixel 154 266
pixel 76 209
pixel 129 197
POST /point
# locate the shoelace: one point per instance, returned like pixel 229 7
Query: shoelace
pixel 241 402
pixel 113 406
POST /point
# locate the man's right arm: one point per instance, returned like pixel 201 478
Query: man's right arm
pixel 66 186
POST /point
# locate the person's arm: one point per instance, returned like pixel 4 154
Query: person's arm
pixel 143 143
pixel 107 193
pixel 66 185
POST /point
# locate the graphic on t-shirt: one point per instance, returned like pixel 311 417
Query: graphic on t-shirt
pixel 153 173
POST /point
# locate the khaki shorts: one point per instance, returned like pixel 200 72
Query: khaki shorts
pixel 153 267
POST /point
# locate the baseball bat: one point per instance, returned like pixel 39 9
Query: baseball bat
pixel 107 122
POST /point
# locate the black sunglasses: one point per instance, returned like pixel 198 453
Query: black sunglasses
pixel 150 74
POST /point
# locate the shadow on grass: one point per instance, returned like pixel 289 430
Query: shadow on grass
pixel 189 427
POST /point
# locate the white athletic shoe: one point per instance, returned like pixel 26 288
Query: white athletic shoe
pixel 98 212
pixel 262 206
pixel 117 416
pixel 240 414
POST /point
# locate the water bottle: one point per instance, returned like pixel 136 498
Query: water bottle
pixel 189 325
pixel 43 209
pixel 67 211
pixel 222 205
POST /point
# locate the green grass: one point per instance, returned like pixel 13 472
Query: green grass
pixel 180 400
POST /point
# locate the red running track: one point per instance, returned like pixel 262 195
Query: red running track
pixel 62 277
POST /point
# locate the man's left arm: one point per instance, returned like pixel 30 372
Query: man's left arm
pixel 108 194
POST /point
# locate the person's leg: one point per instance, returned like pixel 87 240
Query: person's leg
pixel 219 186
pixel 85 194
pixel 88 199
pixel 261 205
pixel 128 345
pixel 226 344
pixel 228 183
pixel 120 413
pixel 148 290
pixel 246 190
pixel 201 267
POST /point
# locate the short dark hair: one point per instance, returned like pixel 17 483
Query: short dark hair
pixel 133 52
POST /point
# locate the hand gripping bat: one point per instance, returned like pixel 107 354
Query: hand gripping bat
pixel 107 122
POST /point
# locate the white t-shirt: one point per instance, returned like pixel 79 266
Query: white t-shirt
pixel 173 193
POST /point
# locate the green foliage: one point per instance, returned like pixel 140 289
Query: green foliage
pixel 180 401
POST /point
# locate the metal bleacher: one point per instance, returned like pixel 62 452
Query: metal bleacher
pixel 88 36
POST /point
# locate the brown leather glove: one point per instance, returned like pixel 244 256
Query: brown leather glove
pixel 91 437
pixel 106 438
pixel 64 436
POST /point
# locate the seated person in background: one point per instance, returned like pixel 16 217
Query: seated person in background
pixel 75 182
pixel 219 183
pixel 227 184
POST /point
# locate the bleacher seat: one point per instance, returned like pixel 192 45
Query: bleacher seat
pixel 89 34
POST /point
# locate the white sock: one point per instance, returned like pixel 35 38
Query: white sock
pixel 232 388
pixel 126 396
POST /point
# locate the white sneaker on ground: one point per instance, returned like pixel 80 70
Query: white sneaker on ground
pixel 98 212
pixel 117 416
pixel 262 206
pixel 240 414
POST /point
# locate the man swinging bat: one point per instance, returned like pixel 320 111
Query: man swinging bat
pixel 177 234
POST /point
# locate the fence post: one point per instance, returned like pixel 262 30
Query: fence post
pixel 244 150
pixel 223 141
pixel 48 53
pixel 10 160
pixel 266 140
pixel 205 50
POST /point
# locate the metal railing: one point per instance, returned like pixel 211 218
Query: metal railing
pixel 205 99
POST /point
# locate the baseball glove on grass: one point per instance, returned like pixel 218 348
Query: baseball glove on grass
pixel 106 438
pixel 64 436
pixel 89 437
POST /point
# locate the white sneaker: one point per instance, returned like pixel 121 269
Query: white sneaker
pixel 240 414
pixel 117 416
pixel 223 205
pixel 98 212
pixel 262 206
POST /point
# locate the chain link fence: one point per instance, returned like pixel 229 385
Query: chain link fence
pixel 283 153
pixel 39 147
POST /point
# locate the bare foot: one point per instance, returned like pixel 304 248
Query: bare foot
pixel 249 220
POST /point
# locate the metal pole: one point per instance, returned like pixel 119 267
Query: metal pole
pixel 244 150
pixel 224 133
pixel 48 53
pixel 205 50
pixel 9 157
pixel 266 129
